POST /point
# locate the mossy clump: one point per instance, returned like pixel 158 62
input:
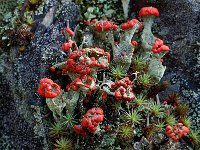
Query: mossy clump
pixel 111 97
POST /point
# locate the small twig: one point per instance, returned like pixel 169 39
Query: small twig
pixel 59 65
pixel 24 8
pixel 136 75
pixel 75 32
pixel 83 42
pixel 148 120
pixel 157 100
pixel 47 115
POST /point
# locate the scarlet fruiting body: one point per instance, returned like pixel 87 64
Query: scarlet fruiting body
pixel 47 88
pixel 134 43
pixel 69 31
pixel 90 121
pixel 177 131
pixel 105 26
pixel 130 24
pixel 52 69
pixel 123 90
pixel 146 11
pixel 159 47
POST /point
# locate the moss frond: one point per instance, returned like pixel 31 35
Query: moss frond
pixel 125 132
pixel 63 144
pixel 157 88
pixel 194 137
pixel 160 125
pixel 170 120
pixel 140 65
pixel 150 131
pixel 140 100
pixel 185 121
pixel 174 99
pixel 182 109
pixel 118 72
pixel 144 80
pixel 133 117
pixel 156 110
pixel 56 129
pixel 69 120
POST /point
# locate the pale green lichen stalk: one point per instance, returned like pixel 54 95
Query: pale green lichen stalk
pixel 125 5
pixel 123 52
pixel 147 37
pixel 56 105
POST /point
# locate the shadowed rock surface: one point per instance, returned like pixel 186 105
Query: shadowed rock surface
pixel 21 125
pixel 179 26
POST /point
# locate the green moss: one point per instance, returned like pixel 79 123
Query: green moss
pixel 63 144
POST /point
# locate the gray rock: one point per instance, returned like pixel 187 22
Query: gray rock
pixel 179 27
pixel 22 126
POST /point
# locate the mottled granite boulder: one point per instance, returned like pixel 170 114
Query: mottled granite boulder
pixel 21 108
pixel 179 26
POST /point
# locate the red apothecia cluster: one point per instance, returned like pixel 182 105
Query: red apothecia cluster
pixel 68 31
pixel 177 131
pixel 134 43
pixel 82 81
pixel 159 47
pixel 123 90
pixel 47 88
pixel 105 26
pixel 130 24
pixel 78 61
pixel 90 121
pixel 93 21
pixel 67 45
pixel 104 95
pixel 146 11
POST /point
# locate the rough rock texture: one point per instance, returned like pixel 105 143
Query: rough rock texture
pixel 179 26
pixel 21 125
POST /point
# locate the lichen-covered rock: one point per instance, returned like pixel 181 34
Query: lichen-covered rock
pixel 179 23
pixel 179 26
pixel 22 124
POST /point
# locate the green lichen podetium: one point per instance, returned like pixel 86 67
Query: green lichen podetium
pixel 126 47
pixel 66 100
pixel 147 37
pixel 56 105
pixel 147 41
